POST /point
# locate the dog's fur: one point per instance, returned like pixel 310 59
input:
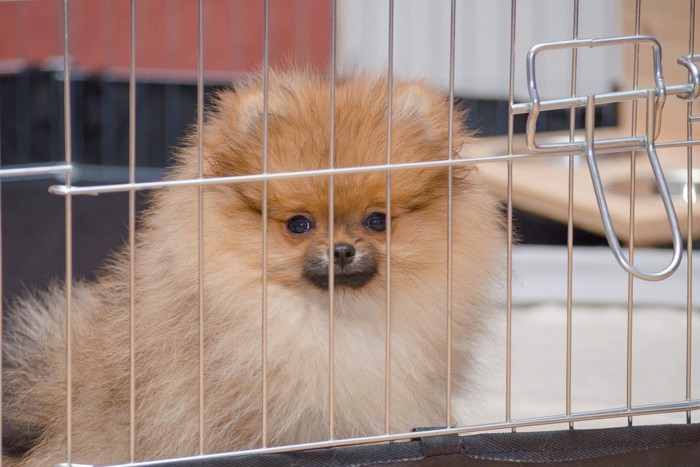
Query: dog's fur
pixel 167 295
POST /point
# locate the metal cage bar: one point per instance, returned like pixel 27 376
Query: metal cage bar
pixel 200 213
pixel 570 219
pixel 389 120
pixel 509 218
pixel 633 187
pixel 695 78
pixel 68 148
pixel 132 235
pixel 264 215
pixel 451 95
pixel 654 99
pixel 331 228
pixel 1 320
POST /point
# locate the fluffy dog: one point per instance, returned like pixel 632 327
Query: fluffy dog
pixel 167 293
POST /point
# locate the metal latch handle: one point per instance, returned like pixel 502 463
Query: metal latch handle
pixel 537 105
pixel 660 181
pixel 689 61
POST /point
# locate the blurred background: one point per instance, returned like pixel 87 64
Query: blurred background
pixel 167 42
pixel 31 47
pixel 166 32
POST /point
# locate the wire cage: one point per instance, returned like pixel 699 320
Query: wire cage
pixel 584 121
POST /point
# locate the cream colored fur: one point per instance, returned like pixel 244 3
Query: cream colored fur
pixel 167 290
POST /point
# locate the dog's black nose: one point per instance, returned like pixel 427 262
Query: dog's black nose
pixel 344 253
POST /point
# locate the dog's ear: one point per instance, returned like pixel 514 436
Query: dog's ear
pixel 235 112
pixel 422 122
pixel 233 132
pixel 247 110
pixel 411 100
pixel 426 111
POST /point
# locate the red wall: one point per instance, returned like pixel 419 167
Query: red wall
pixel 166 34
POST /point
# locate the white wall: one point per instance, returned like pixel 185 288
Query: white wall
pixel 422 37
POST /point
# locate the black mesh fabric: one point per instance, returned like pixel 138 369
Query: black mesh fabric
pixel 637 446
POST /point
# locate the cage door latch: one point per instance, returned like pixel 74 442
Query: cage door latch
pixel 663 191
pixel 690 62
pixel 655 98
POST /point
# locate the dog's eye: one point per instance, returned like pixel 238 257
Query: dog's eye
pixel 376 221
pixel 299 225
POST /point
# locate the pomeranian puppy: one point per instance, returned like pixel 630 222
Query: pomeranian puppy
pixel 167 288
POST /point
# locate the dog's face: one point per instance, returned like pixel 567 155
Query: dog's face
pixel 353 253
pixel 302 248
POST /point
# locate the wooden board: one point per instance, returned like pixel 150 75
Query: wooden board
pixel 541 186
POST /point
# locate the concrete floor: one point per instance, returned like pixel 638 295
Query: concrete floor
pixel 599 339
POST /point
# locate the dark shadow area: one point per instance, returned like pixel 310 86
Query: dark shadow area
pixel 33 234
